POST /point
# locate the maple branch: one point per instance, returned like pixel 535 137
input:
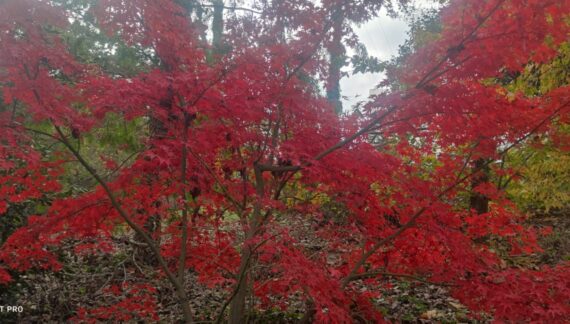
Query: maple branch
pixel 184 194
pixel 180 289
pixel 444 71
pixel 326 28
pixel 503 186
pixel 340 144
pixel 240 279
pixel 307 57
pixel 210 85
pixel 403 119
pixel 536 127
pixel 403 228
pixel 183 171
pixel 459 181
pixel 238 298
pixel 148 240
pixel 455 49
pixel 113 171
pixel 467 160
pixel 212 260
pixel 16 125
pixel 276 130
pixel 321 155
pixel 225 191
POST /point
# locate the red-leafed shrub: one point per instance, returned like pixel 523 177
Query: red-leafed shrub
pixel 243 154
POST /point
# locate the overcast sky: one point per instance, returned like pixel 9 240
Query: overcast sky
pixel 382 36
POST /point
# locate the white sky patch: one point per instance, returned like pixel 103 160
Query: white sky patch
pixel 382 36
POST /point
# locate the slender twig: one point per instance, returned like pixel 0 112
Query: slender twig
pixel 374 273
pixel 467 160
pixel 224 190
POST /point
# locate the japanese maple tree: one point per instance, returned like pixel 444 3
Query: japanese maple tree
pixel 243 152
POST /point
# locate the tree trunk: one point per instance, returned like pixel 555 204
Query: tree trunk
pixel 218 24
pixel 157 130
pixel 479 202
pixel 237 306
pixel 337 60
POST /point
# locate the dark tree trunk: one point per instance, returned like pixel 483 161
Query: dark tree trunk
pixel 218 25
pixel 337 61
pixel 479 202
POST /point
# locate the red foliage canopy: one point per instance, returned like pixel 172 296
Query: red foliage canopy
pixel 245 131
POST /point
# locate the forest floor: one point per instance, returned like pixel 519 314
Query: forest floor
pixel 54 297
